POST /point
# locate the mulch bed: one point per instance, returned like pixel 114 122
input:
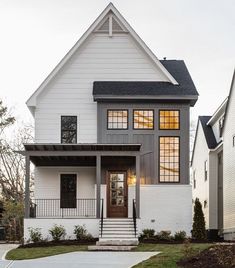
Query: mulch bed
pixel 60 243
pixel 219 256
pixel 169 242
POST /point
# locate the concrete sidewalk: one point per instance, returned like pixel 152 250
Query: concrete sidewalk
pixel 83 260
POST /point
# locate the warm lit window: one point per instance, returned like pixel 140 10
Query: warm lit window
pixel 206 170
pixel 169 159
pixel 143 119
pixel 68 129
pixel 117 119
pixel 169 119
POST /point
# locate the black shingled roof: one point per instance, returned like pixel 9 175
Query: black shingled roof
pixel 176 68
pixel 208 132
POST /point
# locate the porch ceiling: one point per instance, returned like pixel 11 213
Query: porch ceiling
pixel 52 154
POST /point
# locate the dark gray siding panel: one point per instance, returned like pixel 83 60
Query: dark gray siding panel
pixel 148 138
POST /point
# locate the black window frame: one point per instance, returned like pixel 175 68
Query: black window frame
pixel 205 170
pixel 117 110
pixel 61 130
pixel 233 140
pixel 133 118
pixel 170 110
pixel 159 160
pixel 65 202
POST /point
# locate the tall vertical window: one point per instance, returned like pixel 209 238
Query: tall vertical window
pixel 206 169
pixel 221 124
pixel 194 179
pixel 143 119
pixel 68 129
pixel 169 159
pixel 68 190
pixel 169 119
pixel 234 141
pixel 117 119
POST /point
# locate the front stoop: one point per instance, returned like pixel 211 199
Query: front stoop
pixel 110 248
pixel 118 235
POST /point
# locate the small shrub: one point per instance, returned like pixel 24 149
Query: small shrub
pixel 57 232
pixel 180 236
pixel 81 233
pixel 35 234
pixel 188 249
pixel 164 235
pixel 147 233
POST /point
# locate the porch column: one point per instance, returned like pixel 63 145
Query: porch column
pixel 98 182
pixel 137 189
pixel 27 190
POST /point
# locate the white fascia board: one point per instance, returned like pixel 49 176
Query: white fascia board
pixel 32 100
pixel 218 113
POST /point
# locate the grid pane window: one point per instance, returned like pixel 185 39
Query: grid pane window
pixel 169 159
pixel 117 119
pixel 169 119
pixel 68 129
pixel 143 119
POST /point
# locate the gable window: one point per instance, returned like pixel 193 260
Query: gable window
pixel 169 119
pixel 221 123
pixel 68 129
pixel 117 119
pixel 143 119
pixel 206 169
pixel 68 190
pixel 169 159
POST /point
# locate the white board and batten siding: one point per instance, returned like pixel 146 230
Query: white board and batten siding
pixel 229 168
pixel 100 58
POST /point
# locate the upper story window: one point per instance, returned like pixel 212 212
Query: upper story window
pixel 169 159
pixel 221 124
pixel 234 141
pixel 143 119
pixel 194 179
pixel 68 129
pixel 169 119
pixel 206 169
pixel 117 119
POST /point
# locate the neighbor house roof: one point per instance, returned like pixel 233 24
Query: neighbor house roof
pixel 177 68
pixel 208 132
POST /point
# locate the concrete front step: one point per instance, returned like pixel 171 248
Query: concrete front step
pixel 117 242
pixel 110 248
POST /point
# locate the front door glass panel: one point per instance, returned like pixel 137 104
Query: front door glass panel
pixel 117 183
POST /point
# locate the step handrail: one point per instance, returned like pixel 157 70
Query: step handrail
pixel 102 217
pixel 134 215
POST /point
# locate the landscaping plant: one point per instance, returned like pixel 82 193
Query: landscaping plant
pixel 57 232
pixel 164 235
pixel 199 226
pixel 147 233
pixel 81 233
pixel 180 236
pixel 35 234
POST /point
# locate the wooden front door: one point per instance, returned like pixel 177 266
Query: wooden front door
pixel 117 195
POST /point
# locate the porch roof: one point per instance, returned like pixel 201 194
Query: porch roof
pixel 45 147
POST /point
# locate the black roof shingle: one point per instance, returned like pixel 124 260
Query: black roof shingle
pixel 176 68
pixel 208 132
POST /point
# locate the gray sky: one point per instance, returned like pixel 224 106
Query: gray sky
pixel 36 34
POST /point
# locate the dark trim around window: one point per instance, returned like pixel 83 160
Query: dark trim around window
pixel 174 110
pixel 61 130
pixel 118 110
pixel 68 197
pixel 133 119
pixel 168 182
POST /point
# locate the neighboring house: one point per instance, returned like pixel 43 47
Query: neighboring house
pixel 207 167
pixel 111 138
pixel 229 165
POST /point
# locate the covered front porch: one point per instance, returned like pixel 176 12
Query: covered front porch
pixel 83 181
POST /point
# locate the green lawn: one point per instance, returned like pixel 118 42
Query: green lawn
pixel 38 252
pixel 169 255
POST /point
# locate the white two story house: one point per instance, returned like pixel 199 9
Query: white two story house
pixel 111 138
